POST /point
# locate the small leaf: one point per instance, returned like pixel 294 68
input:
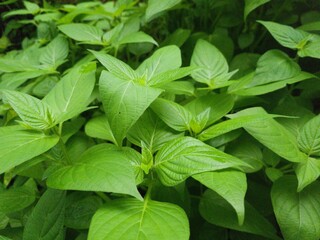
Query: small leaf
pixel 31 110
pixel 298 214
pixel 155 7
pixel 82 32
pixel 231 185
pixel 97 163
pixel 132 219
pixel 186 156
pixel 307 172
pixel 47 218
pixel 98 127
pixel 251 5
pixel 309 137
pixel 138 37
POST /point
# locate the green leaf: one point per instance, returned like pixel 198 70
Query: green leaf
pixel 138 37
pixel 164 59
pixel 98 127
pixel 32 7
pixel 155 7
pixel 311 49
pixel 218 211
pixel 231 185
pixel 16 199
pixel 71 94
pixel 101 168
pixel 47 218
pixel 185 156
pixel 274 66
pixel 124 102
pixel 173 114
pixel 298 214
pixel 132 219
pixel 309 137
pixel 214 66
pixel 55 53
pixel 285 35
pixel 83 32
pixel 115 66
pixel 307 172
pixel 34 112
pixel 152 131
pixel 18 145
pixel 251 5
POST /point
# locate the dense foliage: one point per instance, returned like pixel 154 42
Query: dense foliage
pixel 160 120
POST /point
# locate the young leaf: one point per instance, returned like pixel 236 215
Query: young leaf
pixel 16 199
pixel 18 145
pixel 83 32
pixel 133 219
pixel 70 95
pixel 231 185
pixel 185 156
pixel 173 114
pixel 97 170
pixel 137 37
pixel 307 172
pixel 124 102
pixel 309 137
pixel 155 7
pixel 32 111
pixel 218 211
pixel 285 35
pixel 98 127
pixel 298 214
pixel 251 5
pixel 47 218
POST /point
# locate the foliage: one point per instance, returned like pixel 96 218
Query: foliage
pixel 171 119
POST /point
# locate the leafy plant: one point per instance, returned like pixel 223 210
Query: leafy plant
pixel 160 120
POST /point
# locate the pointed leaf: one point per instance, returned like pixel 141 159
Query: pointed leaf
pixel 138 37
pixel 132 219
pixel 251 5
pixel 307 172
pixel 309 137
pixel 98 127
pixel 82 32
pixel 298 214
pixel 101 168
pixel 155 7
pixel 47 218
pixel 185 156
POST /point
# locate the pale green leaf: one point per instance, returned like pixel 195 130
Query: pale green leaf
pixel 132 219
pixel 16 199
pixel 156 7
pixel 309 137
pixel 34 112
pixel 231 185
pixel 251 5
pixel 218 211
pixel 101 168
pixel 82 32
pixel 180 87
pixel 11 81
pixel 138 37
pixel 124 102
pixel 298 213
pixel 47 218
pixel 98 127
pixel 71 94
pixel 185 156
pixel 311 49
pixel 18 145
pixel 32 7
pixel 173 114
pixel 307 172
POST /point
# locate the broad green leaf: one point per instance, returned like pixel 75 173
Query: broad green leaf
pixel 132 219
pixel 309 137
pixel 16 199
pixel 173 114
pixel 138 37
pixel 55 52
pixel 71 94
pixel 101 168
pixel 82 32
pixel 164 59
pixel 124 102
pixel 231 185
pixel 152 131
pixel 214 66
pixel 274 66
pixel 98 127
pixel 251 5
pixel 47 218
pixel 180 87
pixel 185 156
pixel 298 213
pixel 275 137
pixel 285 35
pixel 218 211
pixel 32 7
pixel 307 172
pixel 311 49
pixel 16 65
pixel 34 112
pixel 115 66
pixel 18 145
pixel 155 7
